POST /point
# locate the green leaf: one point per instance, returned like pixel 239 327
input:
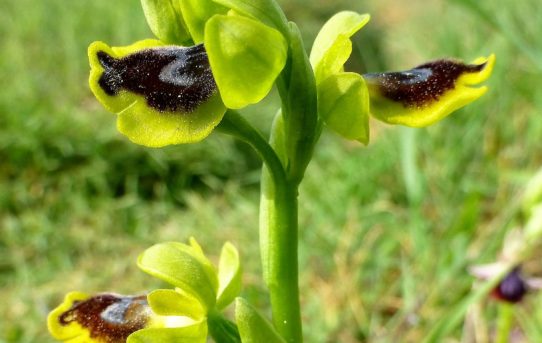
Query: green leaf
pixel 167 302
pixel 332 46
pixel 229 276
pixel 184 267
pixel 165 20
pixel 253 327
pixel 196 13
pixel 343 103
pixel 196 333
pixel 246 57
pixel 266 11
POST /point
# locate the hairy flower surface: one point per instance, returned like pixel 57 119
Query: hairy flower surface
pixel 427 93
pixel 165 93
pixel 102 318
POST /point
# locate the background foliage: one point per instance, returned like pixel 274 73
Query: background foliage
pixel 388 230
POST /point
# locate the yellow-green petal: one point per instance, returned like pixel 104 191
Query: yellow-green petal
pixel 163 94
pixel 184 267
pixel 246 57
pixel 102 318
pixel 343 104
pixel 423 95
pixel 196 13
pixel 195 333
pixel 165 20
pixel 229 276
pixel 332 47
pixel 168 302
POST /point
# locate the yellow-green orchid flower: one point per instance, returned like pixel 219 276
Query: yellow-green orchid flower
pixel 428 92
pixel 416 97
pixel 184 314
pixel 201 291
pixel 165 92
pixel 105 318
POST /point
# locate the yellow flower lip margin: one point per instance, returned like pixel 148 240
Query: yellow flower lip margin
pixel 421 115
pixel 143 124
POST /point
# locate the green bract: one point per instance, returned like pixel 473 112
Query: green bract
pixel 253 327
pixel 165 20
pixel 246 57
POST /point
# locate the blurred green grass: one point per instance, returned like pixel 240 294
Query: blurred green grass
pixel 385 240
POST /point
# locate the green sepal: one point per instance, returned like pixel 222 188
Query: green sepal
pixel 196 13
pixel 253 327
pixel 167 302
pixel 332 47
pixel 196 333
pixel 266 11
pixel 229 276
pixel 343 104
pixel 165 20
pixel 184 267
pixel 246 57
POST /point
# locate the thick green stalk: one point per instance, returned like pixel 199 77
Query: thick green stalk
pixel 504 327
pixel 278 227
pixel 278 242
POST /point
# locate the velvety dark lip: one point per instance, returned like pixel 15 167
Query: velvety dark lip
pixel 422 85
pixel 170 78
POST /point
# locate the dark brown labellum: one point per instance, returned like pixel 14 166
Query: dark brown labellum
pixel 170 78
pixel 512 288
pixel 423 84
pixel 109 317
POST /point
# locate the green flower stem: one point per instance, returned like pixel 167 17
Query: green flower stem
pixel 278 242
pixel 278 228
pixel 235 125
pixel 506 317
pixel 297 89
